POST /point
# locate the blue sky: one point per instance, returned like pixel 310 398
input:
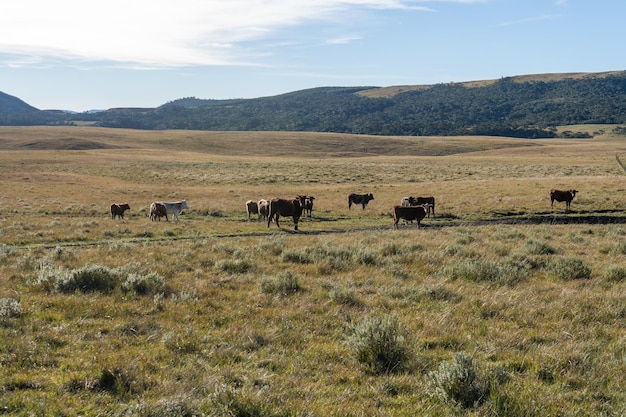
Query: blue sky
pixel 81 55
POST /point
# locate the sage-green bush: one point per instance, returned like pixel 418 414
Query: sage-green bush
pixel 379 342
pixel 457 382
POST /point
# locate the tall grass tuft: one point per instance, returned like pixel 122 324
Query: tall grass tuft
pixel 379 343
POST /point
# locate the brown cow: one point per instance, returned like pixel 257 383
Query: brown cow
pixel 560 196
pixel 264 208
pixel 118 210
pixel 308 205
pixel 409 213
pixel 361 199
pixel 281 207
pixel 158 210
pixel 418 201
pixel 252 207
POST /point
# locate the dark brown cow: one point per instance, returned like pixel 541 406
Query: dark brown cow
pixel 286 208
pixel 252 207
pixel 118 210
pixel 264 208
pixel 418 201
pixel 308 205
pixel 560 196
pixel 409 213
pixel 361 199
pixel 158 210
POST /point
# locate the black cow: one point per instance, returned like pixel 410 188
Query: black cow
pixel 409 213
pixel 118 210
pixel 361 199
pixel 286 208
pixel 418 201
pixel 560 196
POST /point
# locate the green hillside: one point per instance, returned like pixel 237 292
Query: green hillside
pixel 529 106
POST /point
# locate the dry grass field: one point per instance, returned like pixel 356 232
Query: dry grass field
pixel 497 306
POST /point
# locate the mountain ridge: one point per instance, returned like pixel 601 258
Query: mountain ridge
pixel 529 106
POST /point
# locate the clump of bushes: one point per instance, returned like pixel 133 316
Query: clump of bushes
pixel 90 278
pixel 379 343
pixel 283 283
pixel 143 284
pixel 233 266
pixel 458 382
pixel 570 268
pixel 97 278
pixel 10 307
pixel 478 270
pixel 615 274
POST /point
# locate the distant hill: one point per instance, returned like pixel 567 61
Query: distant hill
pixel 528 106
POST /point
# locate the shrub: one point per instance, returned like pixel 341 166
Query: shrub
pixel 344 296
pixel 457 382
pixel 379 343
pixel 570 268
pixel 233 266
pixel 615 273
pixel 91 278
pixel 483 271
pixel 143 284
pixel 10 307
pixel 534 247
pixel 284 283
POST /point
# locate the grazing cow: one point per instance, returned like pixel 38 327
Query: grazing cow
pixel 560 196
pixel 308 205
pixel 281 207
pixel 409 213
pixel 361 199
pixel 118 210
pixel 264 209
pixel 252 207
pixel 158 210
pixel 175 208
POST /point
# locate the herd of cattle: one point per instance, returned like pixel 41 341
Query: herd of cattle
pixel 410 208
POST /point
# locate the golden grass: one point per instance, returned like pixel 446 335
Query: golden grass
pixel 215 342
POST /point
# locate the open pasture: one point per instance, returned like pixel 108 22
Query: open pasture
pixel 219 315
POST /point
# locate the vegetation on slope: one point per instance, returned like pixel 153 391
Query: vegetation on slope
pixel 528 107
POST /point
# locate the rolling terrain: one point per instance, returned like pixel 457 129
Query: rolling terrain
pixel 221 315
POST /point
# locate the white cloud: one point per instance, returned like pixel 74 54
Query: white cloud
pixel 160 32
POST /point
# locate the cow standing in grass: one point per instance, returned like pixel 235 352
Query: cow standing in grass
pixel 118 210
pixel 286 208
pixel 361 199
pixel 264 209
pixel 409 213
pixel 558 195
pixel 308 205
pixel 158 210
pixel 175 208
pixel 252 207
pixel 418 201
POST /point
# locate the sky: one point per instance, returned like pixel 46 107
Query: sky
pixel 82 55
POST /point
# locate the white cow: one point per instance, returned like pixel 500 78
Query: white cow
pixel 175 208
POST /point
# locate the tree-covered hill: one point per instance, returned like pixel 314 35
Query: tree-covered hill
pixel 524 106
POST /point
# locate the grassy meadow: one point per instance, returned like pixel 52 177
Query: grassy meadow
pixel 497 306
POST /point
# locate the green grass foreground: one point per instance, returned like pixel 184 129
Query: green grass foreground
pixel 498 306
